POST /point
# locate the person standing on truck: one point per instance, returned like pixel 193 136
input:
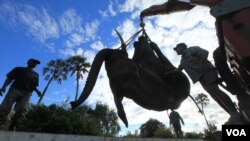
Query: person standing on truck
pixel 23 82
pixel 194 62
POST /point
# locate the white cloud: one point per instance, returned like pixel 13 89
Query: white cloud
pixel 89 55
pixel 98 45
pixel 66 52
pixel 111 10
pixel 46 29
pixel 104 14
pixel 75 39
pixel 37 21
pixel 91 29
pixel 8 13
pixel 136 6
pixel 71 22
pixel 77 32
pixel 127 29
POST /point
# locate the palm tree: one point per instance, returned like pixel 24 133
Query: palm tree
pixel 55 70
pixel 203 100
pixel 77 65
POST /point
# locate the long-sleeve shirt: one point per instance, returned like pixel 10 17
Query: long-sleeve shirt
pixel 175 118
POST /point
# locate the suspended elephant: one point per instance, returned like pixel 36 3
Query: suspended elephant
pixel 140 78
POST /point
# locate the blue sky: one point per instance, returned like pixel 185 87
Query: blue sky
pixel 48 30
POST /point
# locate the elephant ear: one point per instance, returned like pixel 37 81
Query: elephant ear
pixel 92 77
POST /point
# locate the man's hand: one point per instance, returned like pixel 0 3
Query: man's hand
pixel 2 90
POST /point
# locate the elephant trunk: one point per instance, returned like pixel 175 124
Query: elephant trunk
pixel 92 77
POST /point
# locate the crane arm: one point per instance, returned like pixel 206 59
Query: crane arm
pixel 172 6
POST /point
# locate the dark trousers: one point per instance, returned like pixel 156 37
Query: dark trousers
pixel 209 83
pixel 177 129
pixel 21 101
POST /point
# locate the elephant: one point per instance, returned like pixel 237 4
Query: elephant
pixel 141 78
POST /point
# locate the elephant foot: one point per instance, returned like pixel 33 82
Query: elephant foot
pixel 246 115
pixel 123 117
pixel 235 120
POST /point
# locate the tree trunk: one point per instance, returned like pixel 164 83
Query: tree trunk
pixel 45 89
pixel 200 110
pixel 205 117
pixel 77 85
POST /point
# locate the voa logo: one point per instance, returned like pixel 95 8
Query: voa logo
pixel 236 132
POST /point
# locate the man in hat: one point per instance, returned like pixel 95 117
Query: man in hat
pixel 23 82
pixel 194 62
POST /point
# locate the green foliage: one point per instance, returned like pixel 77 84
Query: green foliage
pixel 107 119
pixel 209 133
pixel 54 70
pixel 77 65
pixel 149 128
pixel 193 135
pixel 163 132
pixel 202 99
pixel 131 135
pixel 56 119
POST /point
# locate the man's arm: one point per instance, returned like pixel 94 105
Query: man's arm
pixel 181 119
pixel 179 69
pixel 5 84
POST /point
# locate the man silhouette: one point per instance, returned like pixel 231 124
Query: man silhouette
pixel 176 120
pixel 23 82
pixel 194 61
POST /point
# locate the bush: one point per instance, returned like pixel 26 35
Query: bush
pixel 163 132
pixel 56 119
pixel 193 135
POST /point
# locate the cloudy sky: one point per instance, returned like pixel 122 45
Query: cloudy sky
pixel 49 30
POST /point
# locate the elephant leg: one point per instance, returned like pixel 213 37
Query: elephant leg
pixel 121 112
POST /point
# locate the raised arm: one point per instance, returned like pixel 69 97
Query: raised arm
pixel 182 121
pixel 5 84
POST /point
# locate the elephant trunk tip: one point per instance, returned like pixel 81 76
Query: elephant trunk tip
pixel 74 105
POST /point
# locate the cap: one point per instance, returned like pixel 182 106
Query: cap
pixel 34 60
pixel 180 45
